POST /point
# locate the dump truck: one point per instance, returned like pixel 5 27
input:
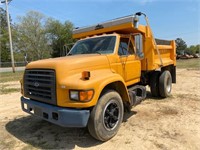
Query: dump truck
pixel 103 75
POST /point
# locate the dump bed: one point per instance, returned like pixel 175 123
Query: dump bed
pixel 157 53
pixel 160 55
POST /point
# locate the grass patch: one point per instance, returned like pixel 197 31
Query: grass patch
pixel 5 90
pixel 188 63
pixel 181 63
pixel 9 76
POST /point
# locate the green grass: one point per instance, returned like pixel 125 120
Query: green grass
pixel 9 76
pixel 10 90
pixel 181 63
pixel 188 63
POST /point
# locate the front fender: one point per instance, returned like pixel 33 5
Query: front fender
pixel 98 80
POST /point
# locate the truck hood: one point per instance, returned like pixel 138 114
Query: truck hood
pixel 69 63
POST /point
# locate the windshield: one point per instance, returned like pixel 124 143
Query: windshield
pixel 100 45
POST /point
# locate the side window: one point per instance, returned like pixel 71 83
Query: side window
pixel 125 47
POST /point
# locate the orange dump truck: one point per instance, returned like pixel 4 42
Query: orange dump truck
pixel 105 73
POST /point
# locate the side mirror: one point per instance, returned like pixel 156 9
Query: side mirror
pixel 136 22
pixel 139 46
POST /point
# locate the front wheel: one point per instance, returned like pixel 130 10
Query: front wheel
pixel 106 116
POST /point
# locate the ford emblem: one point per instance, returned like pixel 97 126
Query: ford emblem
pixel 36 84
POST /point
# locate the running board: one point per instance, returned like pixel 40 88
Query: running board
pixel 137 94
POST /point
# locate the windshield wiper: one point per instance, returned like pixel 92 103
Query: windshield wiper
pixel 92 53
pixel 86 53
pixel 98 53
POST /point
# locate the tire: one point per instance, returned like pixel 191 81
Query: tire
pixel 165 84
pixel 106 117
pixel 154 84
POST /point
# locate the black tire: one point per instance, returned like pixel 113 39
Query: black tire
pixel 154 84
pixel 106 117
pixel 165 84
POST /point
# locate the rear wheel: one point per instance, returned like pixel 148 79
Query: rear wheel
pixel 154 84
pixel 106 116
pixel 165 84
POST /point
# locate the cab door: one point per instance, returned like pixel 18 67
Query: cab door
pixel 128 63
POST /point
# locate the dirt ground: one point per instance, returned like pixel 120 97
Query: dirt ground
pixel 172 123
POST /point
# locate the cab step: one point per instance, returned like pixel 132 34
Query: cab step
pixel 137 94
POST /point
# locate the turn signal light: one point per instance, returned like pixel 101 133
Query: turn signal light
pixel 86 95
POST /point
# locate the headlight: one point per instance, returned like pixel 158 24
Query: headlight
pixel 74 95
pixel 82 95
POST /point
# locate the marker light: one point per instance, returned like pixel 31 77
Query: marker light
pixel 86 75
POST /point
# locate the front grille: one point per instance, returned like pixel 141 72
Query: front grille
pixel 40 85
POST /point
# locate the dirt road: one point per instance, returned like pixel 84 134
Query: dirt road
pixel 172 123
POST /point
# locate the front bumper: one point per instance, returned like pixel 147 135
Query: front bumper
pixel 65 117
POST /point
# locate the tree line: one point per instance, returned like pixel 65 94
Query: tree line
pixel 181 47
pixel 36 36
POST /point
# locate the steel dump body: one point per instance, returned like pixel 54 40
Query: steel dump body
pixel 152 59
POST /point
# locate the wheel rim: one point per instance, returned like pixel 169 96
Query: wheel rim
pixel 111 115
pixel 169 85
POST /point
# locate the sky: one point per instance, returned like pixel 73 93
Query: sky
pixel 169 19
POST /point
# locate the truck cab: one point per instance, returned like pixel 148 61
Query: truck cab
pixel 105 73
